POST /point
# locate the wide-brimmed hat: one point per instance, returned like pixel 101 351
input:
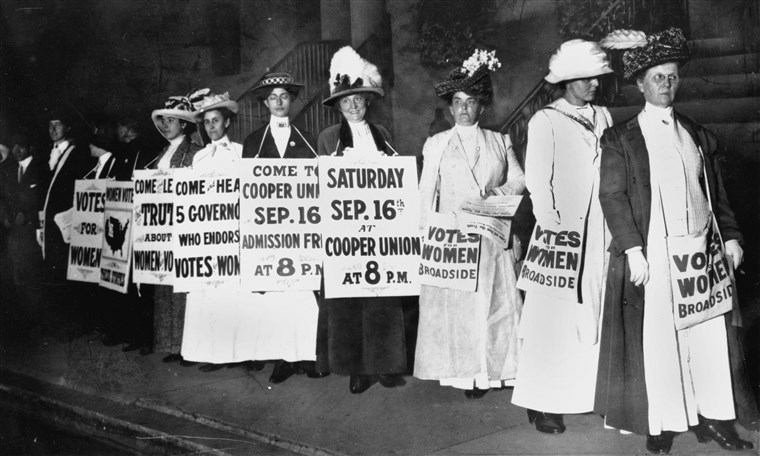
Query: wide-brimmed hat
pixel 176 106
pixel 577 59
pixel 349 73
pixel 472 76
pixel 211 101
pixel 272 81
pixel 649 51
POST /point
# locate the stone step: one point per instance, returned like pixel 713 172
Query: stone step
pixel 714 86
pixel 725 64
pixel 735 110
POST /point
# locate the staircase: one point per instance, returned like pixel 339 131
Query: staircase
pixel 309 64
pixel 720 89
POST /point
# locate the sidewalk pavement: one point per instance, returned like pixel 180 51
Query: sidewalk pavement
pixel 232 411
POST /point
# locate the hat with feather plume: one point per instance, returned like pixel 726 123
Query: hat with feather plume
pixel 350 73
pixel 472 77
pixel 644 52
pixel 211 101
pixel 180 107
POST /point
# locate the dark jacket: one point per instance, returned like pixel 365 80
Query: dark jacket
pixel 335 138
pixel 625 194
pixel 59 198
pixel 183 156
pixel 260 144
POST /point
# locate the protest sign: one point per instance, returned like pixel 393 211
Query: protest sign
pixel 370 218
pixel 206 230
pixel 117 236
pixel 449 256
pixel 701 276
pixel 153 258
pixel 86 230
pixel 552 264
pixel 280 247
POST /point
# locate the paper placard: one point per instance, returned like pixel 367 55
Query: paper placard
pixel 86 225
pixel 206 230
pixel 370 214
pixel 280 241
pixel 450 258
pixel 153 257
pixel 552 263
pixel 117 236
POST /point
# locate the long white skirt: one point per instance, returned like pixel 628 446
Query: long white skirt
pixel 235 326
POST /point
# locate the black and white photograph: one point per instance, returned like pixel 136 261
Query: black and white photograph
pixel 379 227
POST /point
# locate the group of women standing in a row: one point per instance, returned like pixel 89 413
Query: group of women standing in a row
pixel 546 347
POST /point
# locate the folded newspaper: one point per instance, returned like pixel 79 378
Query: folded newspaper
pixel 493 206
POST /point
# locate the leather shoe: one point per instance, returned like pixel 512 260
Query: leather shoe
pixel 723 432
pixel 172 358
pixel 281 372
pixel 361 383
pixel 660 444
pixel 211 367
pixel 310 369
pixel 475 393
pixel 548 423
pixel 391 381
pixel 131 347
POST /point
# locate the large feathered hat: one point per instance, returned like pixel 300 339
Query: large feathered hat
pixel 349 73
pixel 179 107
pixel 472 77
pixel 577 59
pixel 211 101
pixel 644 52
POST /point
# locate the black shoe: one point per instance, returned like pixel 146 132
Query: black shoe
pixel 660 444
pixel 172 358
pixel 281 372
pixel 310 369
pixel 316 374
pixel 211 367
pixel 131 347
pixel 475 393
pixel 548 423
pixel 361 383
pixel 391 381
pixel 186 363
pixel 723 432
pixel 252 366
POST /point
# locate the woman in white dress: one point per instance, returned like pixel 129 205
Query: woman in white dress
pixel 560 349
pixel 468 340
pixel 212 320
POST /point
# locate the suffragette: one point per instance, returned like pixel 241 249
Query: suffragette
pixel 468 339
pixel 660 178
pixel 560 350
